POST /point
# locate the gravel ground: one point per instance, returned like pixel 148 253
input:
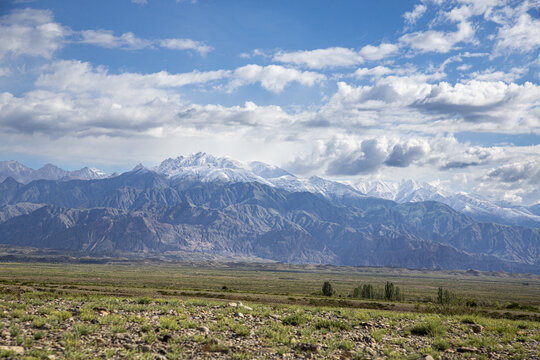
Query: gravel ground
pixel 82 328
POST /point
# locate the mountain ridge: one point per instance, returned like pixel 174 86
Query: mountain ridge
pixel 146 212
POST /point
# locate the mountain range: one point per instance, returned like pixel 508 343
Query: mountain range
pixel 24 174
pixel 201 204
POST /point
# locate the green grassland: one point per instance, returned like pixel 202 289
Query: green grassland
pixel 173 310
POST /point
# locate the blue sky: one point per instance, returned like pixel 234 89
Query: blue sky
pixel 439 91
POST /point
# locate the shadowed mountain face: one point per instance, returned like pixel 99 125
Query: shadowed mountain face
pixel 143 212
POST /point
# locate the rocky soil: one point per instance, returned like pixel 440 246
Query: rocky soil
pixel 144 328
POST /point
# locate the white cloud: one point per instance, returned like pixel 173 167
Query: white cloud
pixel 439 41
pixel 273 77
pixel 335 56
pixel 321 58
pixel 382 51
pixel 78 77
pixel 522 36
pixel 107 39
pixel 142 2
pixel 30 32
pixel 186 44
pixel 412 16
pixel 517 182
pixel 493 75
pixel 495 104
pixel 377 71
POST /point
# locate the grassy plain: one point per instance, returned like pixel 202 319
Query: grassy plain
pixel 169 310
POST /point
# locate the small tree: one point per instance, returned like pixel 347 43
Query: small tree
pixel 327 289
pixel 368 292
pixel 445 296
pixel 389 291
pixel 397 294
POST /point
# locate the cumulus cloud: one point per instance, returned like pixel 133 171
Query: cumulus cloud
pixel 76 99
pixel 107 39
pixel 186 44
pixel 335 56
pixel 80 77
pixel 30 32
pixel 382 51
pixel 439 41
pixel 403 155
pixel 517 182
pixel 33 32
pixel 353 155
pixel 515 106
pixel 494 75
pixel 321 58
pixel 376 71
pixel 517 172
pixel 366 159
pixel 412 16
pixel 273 78
pixel 521 36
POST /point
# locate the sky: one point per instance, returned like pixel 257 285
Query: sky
pixel 442 91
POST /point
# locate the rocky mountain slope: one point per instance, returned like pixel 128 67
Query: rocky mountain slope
pixel 150 212
pixel 24 174
pixel 474 206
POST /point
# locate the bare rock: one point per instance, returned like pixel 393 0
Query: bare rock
pixel 464 349
pixel 476 328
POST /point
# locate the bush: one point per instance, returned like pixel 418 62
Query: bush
pixel 327 289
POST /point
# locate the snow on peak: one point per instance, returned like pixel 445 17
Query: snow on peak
pixel 414 191
pixel 177 166
pixel 206 167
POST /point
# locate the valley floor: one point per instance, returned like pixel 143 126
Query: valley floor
pixel 44 315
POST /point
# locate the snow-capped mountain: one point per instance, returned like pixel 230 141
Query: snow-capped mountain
pixel 86 173
pixel 480 209
pixel 208 168
pixel 24 174
pixel 205 167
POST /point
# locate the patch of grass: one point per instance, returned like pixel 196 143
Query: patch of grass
pixel 61 316
pixel 241 330
pixel 332 325
pixel 15 330
pixel 294 319
pixel 39 321
pixel 169 323
pixel 84 329
pixel 440 344
pixel 378 334
pixel 143 300
pixel 429 327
